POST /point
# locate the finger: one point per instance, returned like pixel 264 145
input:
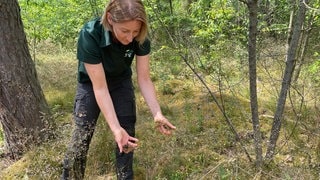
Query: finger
pixel 133 139
pixel 120 147
pixel 169 125
pixel 129 147
pixel 164 130
pixel 131 144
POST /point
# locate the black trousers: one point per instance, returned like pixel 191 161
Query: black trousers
pixel 86 112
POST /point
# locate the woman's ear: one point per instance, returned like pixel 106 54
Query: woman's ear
pixel 109 18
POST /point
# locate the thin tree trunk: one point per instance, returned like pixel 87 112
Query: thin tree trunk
pixel 290 62
pixel 171 7
pixel 253 22
pixel 292 5
pixel 303 47
pixel 23 108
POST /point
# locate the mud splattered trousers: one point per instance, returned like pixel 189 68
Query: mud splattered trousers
pixel 86 112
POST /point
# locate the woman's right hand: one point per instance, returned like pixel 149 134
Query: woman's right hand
pixel 125 142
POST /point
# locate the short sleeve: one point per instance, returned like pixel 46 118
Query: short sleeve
pixel 143 49
pixel 88 49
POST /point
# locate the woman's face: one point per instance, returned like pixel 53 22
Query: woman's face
pixel 126 31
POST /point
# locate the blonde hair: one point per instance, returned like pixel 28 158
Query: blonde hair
pixel 126 10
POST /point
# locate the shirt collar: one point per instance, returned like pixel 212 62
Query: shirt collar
pixel 105 40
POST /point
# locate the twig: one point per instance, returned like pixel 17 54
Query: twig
pixel 309 7
pixel 213 169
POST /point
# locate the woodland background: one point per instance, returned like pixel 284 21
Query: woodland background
pixel 218 80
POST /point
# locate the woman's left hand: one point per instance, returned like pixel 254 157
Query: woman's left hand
pixel 163 125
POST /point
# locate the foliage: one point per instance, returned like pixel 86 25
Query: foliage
pixel 164 20
pixel 58 20
pixel 314 69
pixel 274 17
pixel 218 20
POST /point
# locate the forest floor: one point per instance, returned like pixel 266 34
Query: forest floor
pixel 202 147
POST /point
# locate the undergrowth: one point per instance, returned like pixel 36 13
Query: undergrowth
pixel 202 147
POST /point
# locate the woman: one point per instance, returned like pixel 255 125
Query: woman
pixel 106 48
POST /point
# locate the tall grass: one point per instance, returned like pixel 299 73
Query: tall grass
pixel 202 147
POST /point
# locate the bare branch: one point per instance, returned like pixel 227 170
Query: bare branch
pixel 308 7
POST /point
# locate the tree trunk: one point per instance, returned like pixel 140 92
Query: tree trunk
pixel 290 63
pixel 23 108
pixel 303 47
pixel 171 7
pixel 253 21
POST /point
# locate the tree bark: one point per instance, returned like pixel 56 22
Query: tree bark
pixel 303 47
pixel 290 63
pixel 253 22
pixel 23 109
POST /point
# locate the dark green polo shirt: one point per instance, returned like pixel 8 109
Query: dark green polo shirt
pixel 95 45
